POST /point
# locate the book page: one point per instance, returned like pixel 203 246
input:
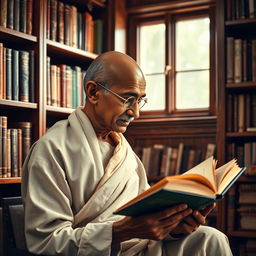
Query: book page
pixel 223 170
pixel 207 170
pixel 229 177
pixel 190 187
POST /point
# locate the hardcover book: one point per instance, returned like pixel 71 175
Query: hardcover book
pixel 200 186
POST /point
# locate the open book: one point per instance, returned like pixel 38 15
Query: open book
pixel 200 186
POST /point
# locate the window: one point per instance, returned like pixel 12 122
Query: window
pixel 174 52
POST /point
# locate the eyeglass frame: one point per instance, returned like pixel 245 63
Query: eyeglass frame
pixel 123 99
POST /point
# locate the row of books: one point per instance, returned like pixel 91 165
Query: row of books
pixel 241 60
pixel 247 206
pixel 65 85
pixel 15 143
pixel 69 26
pixel 160 160
pixel 242 207
pixel 246 155
pixel 247 248
pixel 17 79
pixel 17 15
pixel 241 9
pixel 241 112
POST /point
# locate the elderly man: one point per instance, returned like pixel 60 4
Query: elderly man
pixel 83 169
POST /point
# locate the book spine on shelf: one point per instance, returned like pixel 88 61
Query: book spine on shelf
pixel 48 26
pixel 98 36
pixel 67 24
pixel 10 16
pixel 24 76
pixel 14 152
pixel 4 146
pixel 238 60
pixel 53 29
pixel 1 156
pixel 74 26
pixel 29 28
pixel 8 73
pixel 69 86
pixel 61 22
pixel 230 60
pixel 31 76
pixel 2 72
pixel 8 152
pixel 23 16
pixel 15 75
pixel 53 85
pixel 16 20
pixel 63 85
pixel 48 91
pixel 3 20
pixel 58 85
pixel 254 60
pixel 19 133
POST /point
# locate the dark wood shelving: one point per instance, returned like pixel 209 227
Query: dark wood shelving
pixel 10 35
pixel 244 85
pixel 240 134
pixel 242 233
pixel 58 110
pixel 17 104
pixel 240 22
pixel 10 180
pixel 56 48
pixel 245 178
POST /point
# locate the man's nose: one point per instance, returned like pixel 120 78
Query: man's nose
pixel 134 111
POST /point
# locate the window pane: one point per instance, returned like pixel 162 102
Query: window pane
pixel 192 90
pixel 155 91
pixel 152 48
pixel 192 44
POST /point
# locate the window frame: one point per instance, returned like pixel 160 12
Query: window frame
pixel 170 17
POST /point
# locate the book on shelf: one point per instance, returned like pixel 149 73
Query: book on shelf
pixel 247 218
pixel 247 193
pixel 4 146
pixel 198 187
pixel 236 10
pixel 23 16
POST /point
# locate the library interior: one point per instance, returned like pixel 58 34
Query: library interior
pixel 198 58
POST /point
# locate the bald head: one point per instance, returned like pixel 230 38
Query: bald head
pixel 114 68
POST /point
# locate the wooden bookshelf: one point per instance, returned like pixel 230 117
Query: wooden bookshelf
pixel 39 113
pixel 243 29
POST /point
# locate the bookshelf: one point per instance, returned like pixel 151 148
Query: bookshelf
pixel 38 113
pixel 235 116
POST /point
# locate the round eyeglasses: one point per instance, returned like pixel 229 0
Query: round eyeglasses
pixel 129 102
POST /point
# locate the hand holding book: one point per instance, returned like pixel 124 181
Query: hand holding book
pixel 200 186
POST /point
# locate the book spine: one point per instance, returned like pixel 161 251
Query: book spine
pixel 8 151
pixel 254 60
pixel 63 85
pixel 69 86
pixel 78 86
pixel 31 76
pixel 48 94
pixel 230 59
pixel 2 74
pixel 74 89
pixel 23 16
pixel 8 73
pixel 16 20
pixel 29 28
pixel 53 31
pixel 3 20
pixel 241 113
pixel 238 60
pixel 15 75
pixel 24 76
pixel 26 139
pixel 19 134
pixel 79 30
pixel 4 146
pixel 14 152
pixel 66 24
pixel 10 16
pixel 61 22
pixel 54 85
pixel 58 85
pixel 98 36
pixel 48 27
pixel 244 60
pixel 1 138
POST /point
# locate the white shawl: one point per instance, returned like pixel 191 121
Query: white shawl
pixel 69 198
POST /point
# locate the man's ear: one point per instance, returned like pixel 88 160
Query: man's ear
pixel 92 92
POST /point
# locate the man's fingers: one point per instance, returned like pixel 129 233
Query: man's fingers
pixel 171 211
pixel 208 209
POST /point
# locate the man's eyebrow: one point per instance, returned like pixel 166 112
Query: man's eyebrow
pixel 133 94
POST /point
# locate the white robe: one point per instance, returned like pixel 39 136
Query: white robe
pixel 69 198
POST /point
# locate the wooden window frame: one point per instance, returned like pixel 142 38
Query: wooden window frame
pixel 170 17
